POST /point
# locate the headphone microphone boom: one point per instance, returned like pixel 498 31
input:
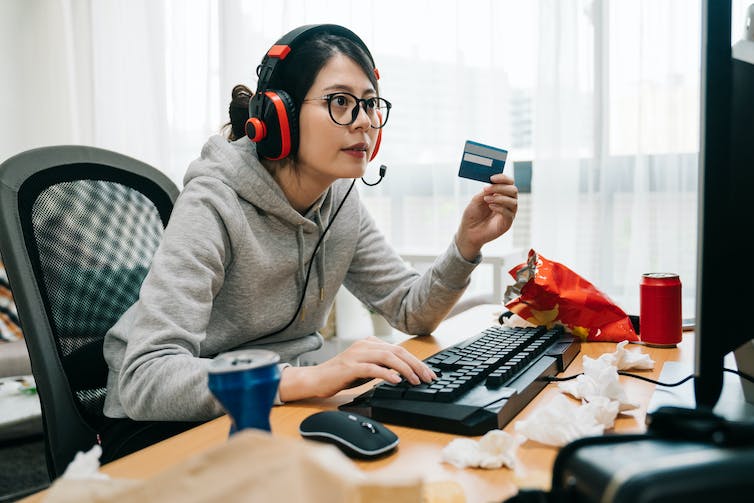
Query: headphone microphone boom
pixel 383 169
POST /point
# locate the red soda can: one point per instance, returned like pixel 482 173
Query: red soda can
pixel 660 323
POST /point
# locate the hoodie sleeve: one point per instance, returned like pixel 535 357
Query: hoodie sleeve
pixel 411 302
pixel 162 376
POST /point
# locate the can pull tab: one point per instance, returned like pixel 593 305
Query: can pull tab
pixel 241 361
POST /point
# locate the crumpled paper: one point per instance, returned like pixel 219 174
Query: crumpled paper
pixel 600 377
pixel 625 359
pixel 85 466
pixel 549 293
pixel 563 421
pixel 494 450
pixel 602 399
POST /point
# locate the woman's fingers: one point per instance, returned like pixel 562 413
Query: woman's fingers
pixel 501 178
pixel 419 367
pixel 379 372
pixel 501 200
pixel 398 359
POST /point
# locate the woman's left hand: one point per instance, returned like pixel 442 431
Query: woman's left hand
pixel 488 216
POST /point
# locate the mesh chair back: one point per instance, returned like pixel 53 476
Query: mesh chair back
pixel 95 240
pixel 85 224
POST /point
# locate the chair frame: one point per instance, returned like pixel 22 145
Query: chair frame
pixel 22 177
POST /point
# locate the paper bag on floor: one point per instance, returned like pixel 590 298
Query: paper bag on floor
pixel 549 293
pixel 251 466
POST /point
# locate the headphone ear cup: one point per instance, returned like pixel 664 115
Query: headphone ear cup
pixel 275 129
pixel 377 144
pixel 379 139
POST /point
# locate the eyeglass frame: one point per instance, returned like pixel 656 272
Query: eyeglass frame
pixel 361 103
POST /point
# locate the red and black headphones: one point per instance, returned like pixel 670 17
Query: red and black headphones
pixel 273 118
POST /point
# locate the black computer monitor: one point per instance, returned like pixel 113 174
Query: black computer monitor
pixel 725 276
pixel 725 251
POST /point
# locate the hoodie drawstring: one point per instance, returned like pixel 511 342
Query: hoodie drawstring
pixel 320 256
pixel 300 243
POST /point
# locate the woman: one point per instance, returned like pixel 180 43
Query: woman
pixel 248 233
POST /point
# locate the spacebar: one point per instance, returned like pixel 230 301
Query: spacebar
pixel 417 408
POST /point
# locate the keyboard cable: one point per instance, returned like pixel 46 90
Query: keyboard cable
pixel 658 383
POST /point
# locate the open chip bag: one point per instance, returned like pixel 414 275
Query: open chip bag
pixel 549 293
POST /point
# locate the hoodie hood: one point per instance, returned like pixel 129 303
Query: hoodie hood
pixel 236 165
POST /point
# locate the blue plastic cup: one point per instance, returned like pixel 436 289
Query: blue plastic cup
pixel 245 383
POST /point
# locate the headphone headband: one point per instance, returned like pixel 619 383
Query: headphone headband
pixel 287 42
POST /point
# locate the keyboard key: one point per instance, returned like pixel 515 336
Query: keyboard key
pixel 388 391
pixel 446 395
pixel 420 393
pixel 450 360
pixel 495 380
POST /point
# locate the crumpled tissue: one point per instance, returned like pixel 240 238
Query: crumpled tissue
pixel 494 450
pixel 563 421
pixel 85 466
pixel 600 377
pixel 603 398
pixel 625 359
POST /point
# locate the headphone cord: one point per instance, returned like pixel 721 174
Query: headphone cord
pixel 311 262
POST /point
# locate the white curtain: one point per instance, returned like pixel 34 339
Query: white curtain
pixel 137 77
pixel 616 140
pixel 599 99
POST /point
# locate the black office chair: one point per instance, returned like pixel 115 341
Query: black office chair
pixel 78 229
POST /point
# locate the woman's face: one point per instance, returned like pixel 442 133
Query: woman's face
pixel 328 151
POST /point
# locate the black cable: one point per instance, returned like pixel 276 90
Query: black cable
pixel 647 379
pixel 740 374
pixel 311 262
pixel 621 372
pixel 561 379
pixel 659 383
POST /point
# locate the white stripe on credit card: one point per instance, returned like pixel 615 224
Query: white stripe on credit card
pixel 477 159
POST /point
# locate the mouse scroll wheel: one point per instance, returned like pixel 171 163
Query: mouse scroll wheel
pixel 369 426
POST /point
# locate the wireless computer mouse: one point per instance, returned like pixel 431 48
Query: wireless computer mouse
pixel 357 436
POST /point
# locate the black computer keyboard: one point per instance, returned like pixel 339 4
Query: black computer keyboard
pixel 483 382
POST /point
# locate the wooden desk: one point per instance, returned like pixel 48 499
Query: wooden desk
pixel 419 450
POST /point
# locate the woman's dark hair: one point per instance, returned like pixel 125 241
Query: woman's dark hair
pixel 238 111
pixel 296 73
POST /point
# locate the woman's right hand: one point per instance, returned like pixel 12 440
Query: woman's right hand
pixel 366 358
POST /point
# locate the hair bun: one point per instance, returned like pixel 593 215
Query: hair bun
pixel 240 92
pixel 238 110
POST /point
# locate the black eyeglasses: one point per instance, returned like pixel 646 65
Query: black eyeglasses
pixel 344 108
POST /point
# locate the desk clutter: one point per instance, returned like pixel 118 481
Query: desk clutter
pixel 251 466
pixel 600 398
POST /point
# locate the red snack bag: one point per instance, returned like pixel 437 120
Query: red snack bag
pixel 549 293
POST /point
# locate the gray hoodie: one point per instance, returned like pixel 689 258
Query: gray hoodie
pixel 230 269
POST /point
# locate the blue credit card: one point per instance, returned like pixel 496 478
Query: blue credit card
pixel 480 162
